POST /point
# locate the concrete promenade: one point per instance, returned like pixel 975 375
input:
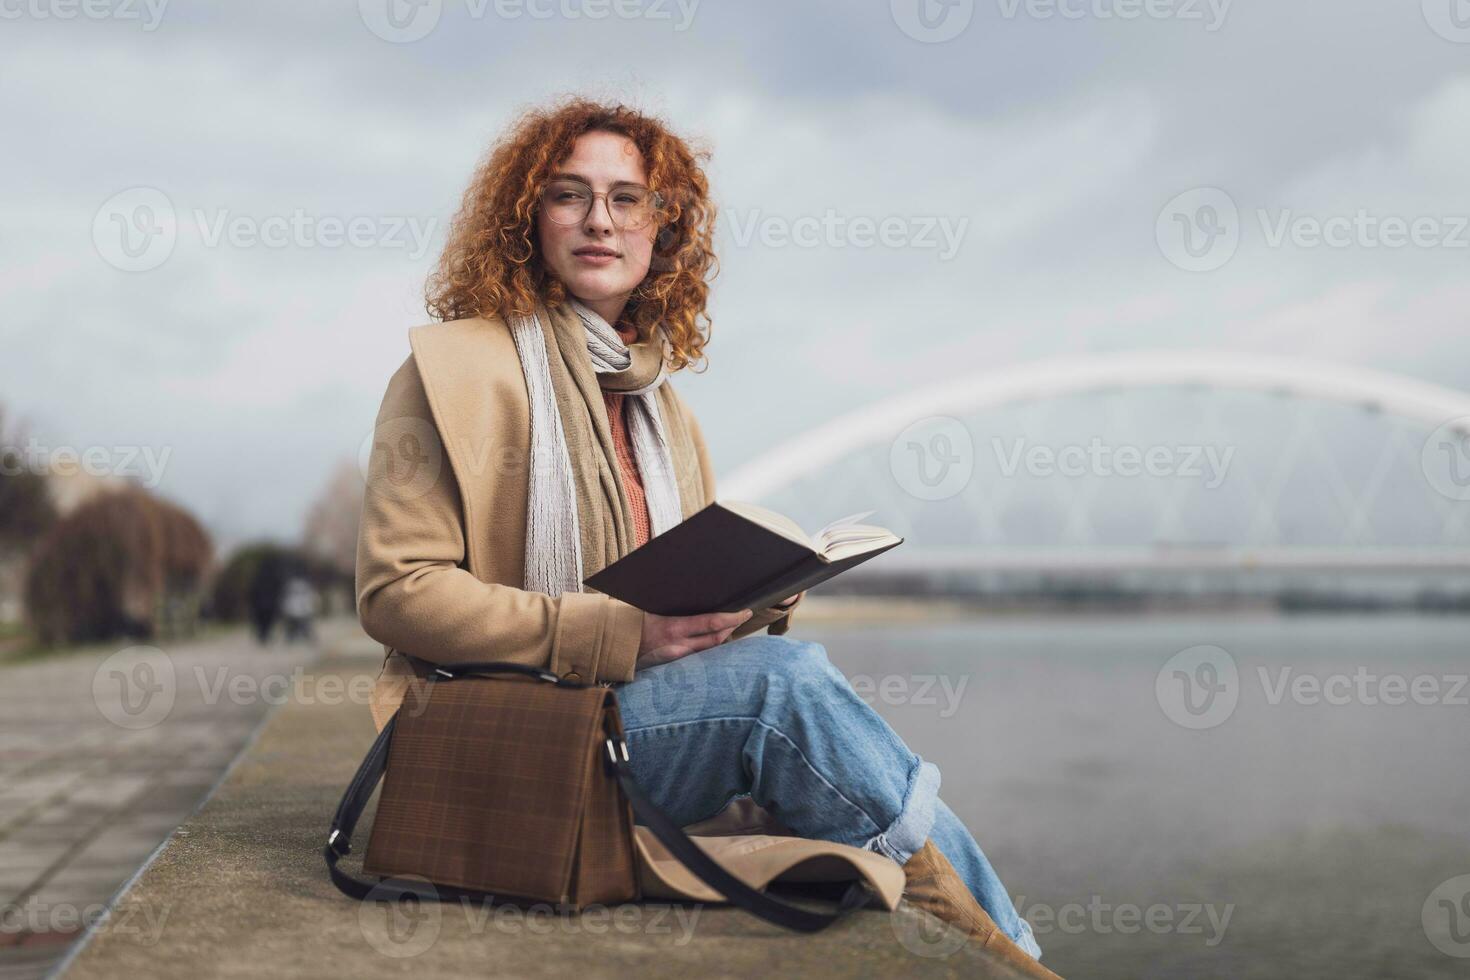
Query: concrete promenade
pixel 241 890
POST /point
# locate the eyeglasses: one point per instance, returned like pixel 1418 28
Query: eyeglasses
pixel 631 206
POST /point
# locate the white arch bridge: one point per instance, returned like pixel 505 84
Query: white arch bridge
pixel 1155 460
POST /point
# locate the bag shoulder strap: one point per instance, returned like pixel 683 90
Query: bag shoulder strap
pixel 736 892
pixel 669 833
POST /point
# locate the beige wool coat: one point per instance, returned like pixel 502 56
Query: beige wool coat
pixel 440 558
pixel 441 548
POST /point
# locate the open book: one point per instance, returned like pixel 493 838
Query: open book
pixel 733 555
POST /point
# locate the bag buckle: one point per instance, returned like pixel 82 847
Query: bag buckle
pixel 615 747
pixel 341 850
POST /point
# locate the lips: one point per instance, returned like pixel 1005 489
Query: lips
pixel 595 250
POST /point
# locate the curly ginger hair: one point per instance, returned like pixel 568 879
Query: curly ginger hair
pixel 492 266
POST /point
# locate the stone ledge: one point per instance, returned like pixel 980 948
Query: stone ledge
pixel 241 890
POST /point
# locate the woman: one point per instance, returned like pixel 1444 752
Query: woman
pixel 572 285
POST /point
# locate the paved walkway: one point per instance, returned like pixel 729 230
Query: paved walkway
pixel 103 753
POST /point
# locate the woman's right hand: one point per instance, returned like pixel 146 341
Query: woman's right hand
pixel 667 638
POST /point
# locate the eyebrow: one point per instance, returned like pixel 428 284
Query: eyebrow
pixel 567 176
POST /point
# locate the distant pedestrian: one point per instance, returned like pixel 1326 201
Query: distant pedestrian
pixel 266 591
pixel 298 609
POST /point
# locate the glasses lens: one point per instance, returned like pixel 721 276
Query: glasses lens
pixel 565 201
pixel 631 207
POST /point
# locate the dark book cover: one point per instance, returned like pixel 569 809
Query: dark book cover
pixel 718 561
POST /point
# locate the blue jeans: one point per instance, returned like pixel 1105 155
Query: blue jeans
pixel 771 717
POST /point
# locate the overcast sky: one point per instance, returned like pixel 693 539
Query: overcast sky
pixel 1027 157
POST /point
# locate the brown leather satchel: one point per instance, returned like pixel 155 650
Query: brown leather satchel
pixel 507 781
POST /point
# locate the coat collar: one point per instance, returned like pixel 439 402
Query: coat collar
pixel 472 380
pixel 477 395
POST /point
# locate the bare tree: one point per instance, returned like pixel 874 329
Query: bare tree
pixel 25 504
pixel 329 537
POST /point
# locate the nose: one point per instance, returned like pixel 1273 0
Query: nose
pixel 599 217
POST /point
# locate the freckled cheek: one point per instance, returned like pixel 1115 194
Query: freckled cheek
pixel 638 253
pixel 551 238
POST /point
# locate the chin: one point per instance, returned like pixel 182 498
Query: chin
pixel 595 284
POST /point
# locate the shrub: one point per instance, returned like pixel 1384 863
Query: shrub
pixel 122 564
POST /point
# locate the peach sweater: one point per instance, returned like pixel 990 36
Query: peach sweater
pixel 627 464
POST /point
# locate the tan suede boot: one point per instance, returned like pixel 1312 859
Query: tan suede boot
pixel 936 887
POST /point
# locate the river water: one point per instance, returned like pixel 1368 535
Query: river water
pixel 1309 824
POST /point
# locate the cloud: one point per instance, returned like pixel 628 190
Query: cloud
pixel 1047 147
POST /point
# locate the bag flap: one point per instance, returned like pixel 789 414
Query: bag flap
pixel 486 784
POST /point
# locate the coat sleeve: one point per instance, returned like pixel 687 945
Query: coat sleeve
pixel 778 620
pixel 415 595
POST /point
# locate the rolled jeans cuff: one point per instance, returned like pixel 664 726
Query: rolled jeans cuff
pixel 1026 939
pixel 910 829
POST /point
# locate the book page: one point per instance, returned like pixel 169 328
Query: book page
pixel 845 537
pixel 837 540
pixel 856 539
pixel 769 519
pixel 835 525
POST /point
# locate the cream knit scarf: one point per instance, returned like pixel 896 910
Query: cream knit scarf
pixel 555 509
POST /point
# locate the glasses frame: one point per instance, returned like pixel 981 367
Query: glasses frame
pixel 654 196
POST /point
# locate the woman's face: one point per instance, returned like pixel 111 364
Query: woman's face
pixel 599 263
